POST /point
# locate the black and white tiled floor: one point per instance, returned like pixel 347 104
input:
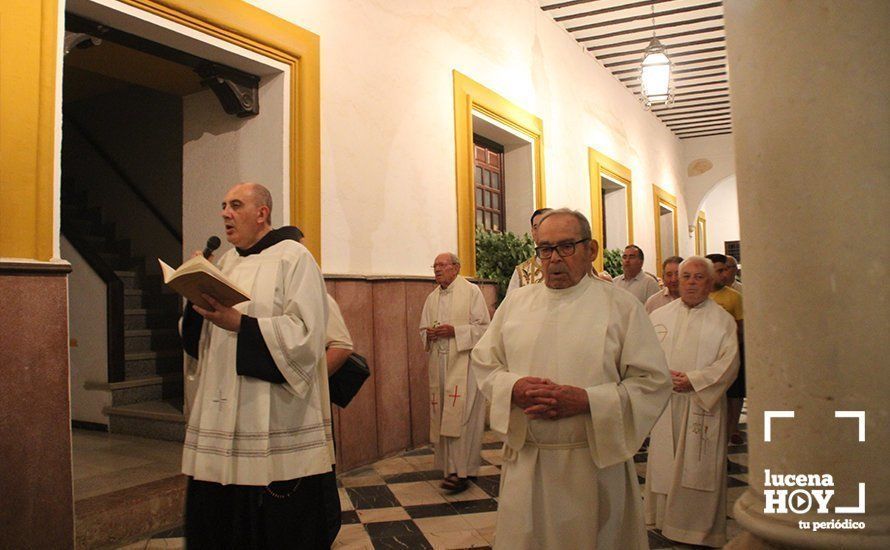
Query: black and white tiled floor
pixel 397 503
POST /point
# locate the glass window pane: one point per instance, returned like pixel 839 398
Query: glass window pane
pixel 478 196
pixel 495 222
pixel 495 181
pixel 486 178
pixel 486 199
pixel 479 218
pixel 496 201
pixel 477 175
pixel 488 220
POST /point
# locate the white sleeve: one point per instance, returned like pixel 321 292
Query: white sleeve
pixel 466 336
pixel 514 281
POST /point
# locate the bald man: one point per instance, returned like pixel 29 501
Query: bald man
pixel 454 317
pixel 258 442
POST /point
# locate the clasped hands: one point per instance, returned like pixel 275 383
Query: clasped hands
pixel 542 399
pixel 681 382
pixel 440 331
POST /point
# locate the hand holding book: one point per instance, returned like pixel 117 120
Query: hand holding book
pixel 198 276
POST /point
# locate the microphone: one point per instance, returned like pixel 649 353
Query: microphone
pixel 212 244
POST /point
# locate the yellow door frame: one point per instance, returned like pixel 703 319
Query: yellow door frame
pixel 600 165
pixel 28 107
pixel 663 198
pixel 471 96
pixel 701 234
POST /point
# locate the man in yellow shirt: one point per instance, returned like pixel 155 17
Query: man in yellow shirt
pixel 731 301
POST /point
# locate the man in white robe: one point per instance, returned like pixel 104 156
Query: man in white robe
pixel 576 380
pixel 686 471
pixel 258 440
pixel 454 317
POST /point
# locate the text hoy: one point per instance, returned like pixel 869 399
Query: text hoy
pixel 803 499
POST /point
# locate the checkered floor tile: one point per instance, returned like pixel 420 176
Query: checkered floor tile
pixel 398 503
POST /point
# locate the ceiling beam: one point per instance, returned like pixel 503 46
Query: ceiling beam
pixel 678 54
pixel 666 47
pixel 565 4
pixel 612 9
pixel 703 124
pixel 695 113
pixel 707 135
pixel 648 39
pixel 651 28
pixel 644 16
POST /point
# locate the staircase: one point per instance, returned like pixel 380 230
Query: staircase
pixel 146 383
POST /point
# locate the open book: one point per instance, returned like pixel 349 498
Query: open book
pixel 198 276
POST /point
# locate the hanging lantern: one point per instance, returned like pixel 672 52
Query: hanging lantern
pixel 655 76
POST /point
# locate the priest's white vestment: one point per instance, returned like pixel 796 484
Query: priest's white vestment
pixel 686 472
pixel 457 416
pixel 247 431
pixel 571 483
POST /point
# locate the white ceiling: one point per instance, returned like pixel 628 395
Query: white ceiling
pixel 615 33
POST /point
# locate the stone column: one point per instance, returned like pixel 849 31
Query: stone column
pixel 810 96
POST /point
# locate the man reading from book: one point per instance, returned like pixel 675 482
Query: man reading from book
pixel 258 438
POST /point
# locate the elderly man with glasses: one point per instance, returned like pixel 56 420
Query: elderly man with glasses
pixel 576 379
pixel 453 319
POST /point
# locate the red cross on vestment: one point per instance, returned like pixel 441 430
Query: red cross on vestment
pixel 433 400
pixel 455 395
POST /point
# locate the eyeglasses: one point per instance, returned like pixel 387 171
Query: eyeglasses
pixel 563 249
pixel 434 266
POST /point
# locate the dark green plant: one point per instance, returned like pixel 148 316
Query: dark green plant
pixel 498 254
pixel 612 262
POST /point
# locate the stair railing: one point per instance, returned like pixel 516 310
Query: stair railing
pixel 121 173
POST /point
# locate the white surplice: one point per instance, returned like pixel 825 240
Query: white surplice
pixel 571 483
pixel 457 417
pixel 246 431
pixel 686 470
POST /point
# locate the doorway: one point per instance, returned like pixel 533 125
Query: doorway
pixel 666 215
pixel 150 145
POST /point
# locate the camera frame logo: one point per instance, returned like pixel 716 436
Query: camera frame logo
pixel 804 493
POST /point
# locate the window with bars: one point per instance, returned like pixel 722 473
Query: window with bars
pixel 488 178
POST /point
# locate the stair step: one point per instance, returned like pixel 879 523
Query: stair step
pixel 151 388
pixel 149 318
pixel 142 355
pixel 136 298
pixel 117 261
pixel 151 339
pixel 128 515
pixel 153 419
pixel 153 366
pixel 129 277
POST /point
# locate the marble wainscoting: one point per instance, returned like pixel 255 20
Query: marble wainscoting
pixel 391 412
pixel 35 423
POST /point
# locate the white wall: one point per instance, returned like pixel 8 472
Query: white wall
pixel 87 325
pixel 721 209
pixel 719 152
pixel 220 150
pixel 388 184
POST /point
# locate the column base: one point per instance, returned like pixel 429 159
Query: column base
pixel 779 532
